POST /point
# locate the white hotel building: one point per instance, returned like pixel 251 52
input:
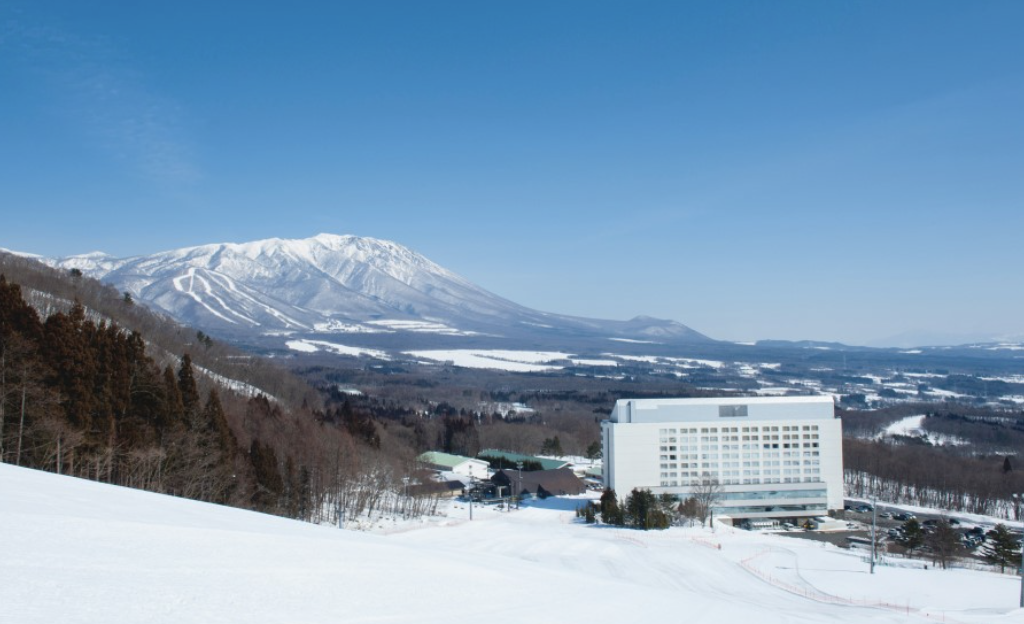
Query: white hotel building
pixel 775 457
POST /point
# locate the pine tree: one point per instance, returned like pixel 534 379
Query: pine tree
pixel 611 513
pixel 1001 548
pixel 215 420
pixel 189 392
pixel 552 446
pixel 16 316
pixel 643 511
pixel 913 536
pixel 360 425
pixel 269 484
pixel 587 512
pixel 66 342
pixel 172 413
pixel 144 412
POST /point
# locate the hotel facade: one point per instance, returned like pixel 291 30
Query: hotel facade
pixel 775 458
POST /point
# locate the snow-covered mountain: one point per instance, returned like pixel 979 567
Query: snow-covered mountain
pixel 336 284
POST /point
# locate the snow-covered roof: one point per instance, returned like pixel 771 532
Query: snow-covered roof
pixel 732 409
pixel 446 460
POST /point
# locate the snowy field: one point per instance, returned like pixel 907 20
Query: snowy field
pixel 913 426
pixel 508 360
pixel 78 551
pixel 312 346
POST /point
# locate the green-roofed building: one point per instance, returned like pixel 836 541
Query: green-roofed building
pixel 508 459
pixel 446 462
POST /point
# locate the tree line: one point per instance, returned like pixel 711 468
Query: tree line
pixel 83 398
pixel 82 395
pixel 924 476
pixel 644 510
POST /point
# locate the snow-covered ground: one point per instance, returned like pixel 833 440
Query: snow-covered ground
pixel 424 327
pixel 509 360
pixel 913 426
pixel 79 551
pixel 239 387
pixel 312 346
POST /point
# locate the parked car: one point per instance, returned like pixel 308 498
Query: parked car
pixel 903 516
pixel 886 514
pixel 864 508
pixel 971 541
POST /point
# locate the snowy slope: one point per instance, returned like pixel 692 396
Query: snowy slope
pixel 78 551
pixel 332 284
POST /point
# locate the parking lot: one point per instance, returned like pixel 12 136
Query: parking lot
pixel 889 522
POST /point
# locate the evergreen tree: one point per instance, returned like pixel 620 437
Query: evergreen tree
pixel 913 536
pixel 216 421
pixel 552 446
pixel 587 512
pixel 269 484
pixel 1001 548
pixel 73 365
pixel 173 409
pixel 611 513
pixel 668 504
pixel 360 425
pixel 594 450
pixel 144 393
pixel 644 511
pixel 16 316
pixel 459 435
pixel 189 392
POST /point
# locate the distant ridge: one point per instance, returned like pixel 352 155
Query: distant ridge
pixel 332 284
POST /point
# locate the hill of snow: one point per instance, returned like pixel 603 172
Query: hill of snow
pixel 79 551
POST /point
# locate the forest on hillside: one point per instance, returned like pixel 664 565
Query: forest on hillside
pixel 962 458
pixel 95 387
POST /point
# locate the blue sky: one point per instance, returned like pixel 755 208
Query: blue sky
pixel 806 170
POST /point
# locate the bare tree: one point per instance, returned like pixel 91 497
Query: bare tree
pixel 55 441
pixel 15 357
pixel 706 492
pixel 31 395
pixel 945 543
pixel 687 510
